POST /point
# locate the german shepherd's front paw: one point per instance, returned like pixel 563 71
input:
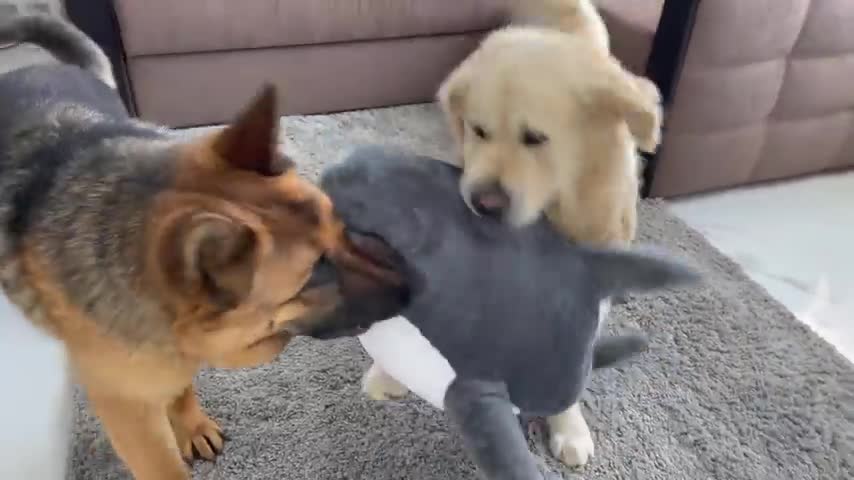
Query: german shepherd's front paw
pixel 196 434
pixel 199 438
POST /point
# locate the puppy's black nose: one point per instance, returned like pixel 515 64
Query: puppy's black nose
pixel 490 200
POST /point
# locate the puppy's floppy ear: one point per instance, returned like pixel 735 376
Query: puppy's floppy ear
pixel 209 254
pixel 452 95
pixel 250 142
pixel 634 99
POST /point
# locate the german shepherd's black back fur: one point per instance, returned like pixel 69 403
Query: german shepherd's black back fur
pixel 72 162
pixel 84 112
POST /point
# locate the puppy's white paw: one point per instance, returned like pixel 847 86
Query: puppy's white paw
pixel 574 449
pixel 379 385
pixel 571 441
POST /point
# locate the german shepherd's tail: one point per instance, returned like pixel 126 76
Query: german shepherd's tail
pixel 62 39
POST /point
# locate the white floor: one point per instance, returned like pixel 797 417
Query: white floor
pixel 796 239
pixel 36 406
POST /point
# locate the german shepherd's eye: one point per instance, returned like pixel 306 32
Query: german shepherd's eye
pixel 531 138
pixel 480 132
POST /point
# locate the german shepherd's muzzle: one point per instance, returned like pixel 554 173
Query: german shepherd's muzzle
pixel 364 284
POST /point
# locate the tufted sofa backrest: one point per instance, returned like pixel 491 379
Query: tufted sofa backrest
pixel 766 92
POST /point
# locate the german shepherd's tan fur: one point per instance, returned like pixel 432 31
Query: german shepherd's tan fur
pixel 150 255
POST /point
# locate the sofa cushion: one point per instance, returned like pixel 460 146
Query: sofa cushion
pixel 168 26
pixel 204 89
pixel 757 104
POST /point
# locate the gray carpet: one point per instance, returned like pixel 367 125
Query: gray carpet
pixel 732 388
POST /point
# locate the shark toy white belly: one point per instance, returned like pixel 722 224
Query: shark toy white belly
pixel 400 349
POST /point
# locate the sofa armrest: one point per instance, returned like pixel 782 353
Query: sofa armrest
pixel 664 65
pixel 670 45
pixel 762 93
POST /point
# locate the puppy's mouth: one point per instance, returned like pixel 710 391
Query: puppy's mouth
pixel 488 200
pixel 494 202
pixel 517 219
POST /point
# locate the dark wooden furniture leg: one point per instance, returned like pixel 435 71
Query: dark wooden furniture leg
pixel 97 18
pixel 665 62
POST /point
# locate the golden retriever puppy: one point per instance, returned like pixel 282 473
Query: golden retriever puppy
pixel 548 122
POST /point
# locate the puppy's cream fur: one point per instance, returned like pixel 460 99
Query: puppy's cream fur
pixel 555 78
pixel 551 77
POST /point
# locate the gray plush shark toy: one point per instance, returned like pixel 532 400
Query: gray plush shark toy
pixel 511 316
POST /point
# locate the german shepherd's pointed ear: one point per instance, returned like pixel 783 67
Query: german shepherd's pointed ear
pixel 251 141
pixel 634 99
pixel 452 95
pixel 209 255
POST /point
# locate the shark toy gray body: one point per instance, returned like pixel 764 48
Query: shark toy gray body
pixel 515 312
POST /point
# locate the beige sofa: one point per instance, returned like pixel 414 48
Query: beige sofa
pixel 194 62
pixel 754 90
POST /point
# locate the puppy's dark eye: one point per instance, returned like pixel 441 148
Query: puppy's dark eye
pixel 530 138
pixel 480 132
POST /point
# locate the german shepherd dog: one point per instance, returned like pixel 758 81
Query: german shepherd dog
pixel 150 255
